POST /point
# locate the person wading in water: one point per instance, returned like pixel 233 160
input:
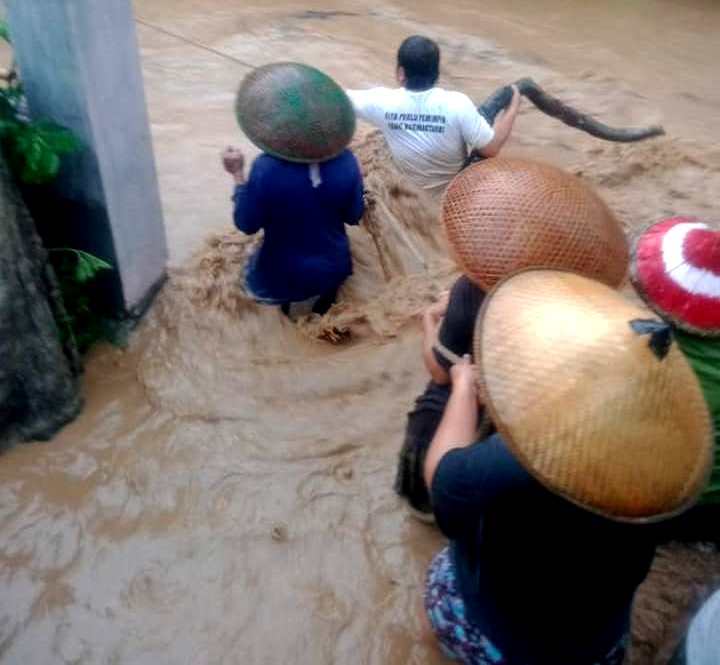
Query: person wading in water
pixel 431 131
pixel 301 191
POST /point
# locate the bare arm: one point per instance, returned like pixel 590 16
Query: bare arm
pixel 432 317
pixel 502 126
pixel 458 426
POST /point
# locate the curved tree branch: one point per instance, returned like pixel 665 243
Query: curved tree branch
pixel 570 116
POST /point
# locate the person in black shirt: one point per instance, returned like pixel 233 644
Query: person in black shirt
pixel 450 321
pixel 548 519
pixel 511 566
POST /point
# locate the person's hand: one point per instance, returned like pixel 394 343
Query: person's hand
pixel 437 310
pixel 462 375
pixel 233 160
pixel 516 95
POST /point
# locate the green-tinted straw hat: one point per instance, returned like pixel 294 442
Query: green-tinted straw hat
pixel 295 112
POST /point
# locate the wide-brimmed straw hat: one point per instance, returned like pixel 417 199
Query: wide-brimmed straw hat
pixel 503 215
pixel 295 112
pixel 593 396
pixel 675 267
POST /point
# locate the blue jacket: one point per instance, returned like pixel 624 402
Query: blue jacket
pixel 305 251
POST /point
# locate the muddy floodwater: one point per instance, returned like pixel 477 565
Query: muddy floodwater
pixel 226 495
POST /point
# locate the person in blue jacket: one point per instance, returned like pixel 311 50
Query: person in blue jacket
pixel 302 190
pixel 302 209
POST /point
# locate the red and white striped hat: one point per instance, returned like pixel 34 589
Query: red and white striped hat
pixel 676 269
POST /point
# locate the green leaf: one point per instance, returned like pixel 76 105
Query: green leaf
pixel 4 31
pixel 59 139
pixel 50 165
pixel 40 163
pixel 83 324
pixel 88 266
pixel 83 270
pixel 96 262
pixel 33 149
pixel 63 143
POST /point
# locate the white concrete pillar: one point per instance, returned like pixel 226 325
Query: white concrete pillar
pixel 80 66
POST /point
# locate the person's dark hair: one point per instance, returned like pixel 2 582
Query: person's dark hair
pixel 420 59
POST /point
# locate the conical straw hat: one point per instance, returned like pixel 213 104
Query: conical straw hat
pixel 295 112
pixel 593 396
pixel 504 215
pixel 676 269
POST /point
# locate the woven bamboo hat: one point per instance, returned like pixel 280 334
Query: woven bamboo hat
pixel 295 112
pixel 593 396
pixel 503 215
pixel 676 269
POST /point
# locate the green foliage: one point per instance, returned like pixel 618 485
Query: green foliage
pixel 86 265
pixel 32 148
pixel 81 324
pixel 33 151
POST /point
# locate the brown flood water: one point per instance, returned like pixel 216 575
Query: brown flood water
pixel 226 496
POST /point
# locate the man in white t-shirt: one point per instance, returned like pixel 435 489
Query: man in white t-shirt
pixel 430 131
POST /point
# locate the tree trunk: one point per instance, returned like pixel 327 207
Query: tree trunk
pixel 38 385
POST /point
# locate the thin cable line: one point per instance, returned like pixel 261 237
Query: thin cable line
pixel 194 43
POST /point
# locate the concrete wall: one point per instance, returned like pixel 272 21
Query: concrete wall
pixel 79 63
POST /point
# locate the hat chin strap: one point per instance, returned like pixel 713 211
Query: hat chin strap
pixel 315 175
pixel 660 333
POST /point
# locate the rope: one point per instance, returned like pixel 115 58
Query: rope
pixel 485 424
pixel 399 230
pixel 371 226
pixel 446 353
pixel 194 43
